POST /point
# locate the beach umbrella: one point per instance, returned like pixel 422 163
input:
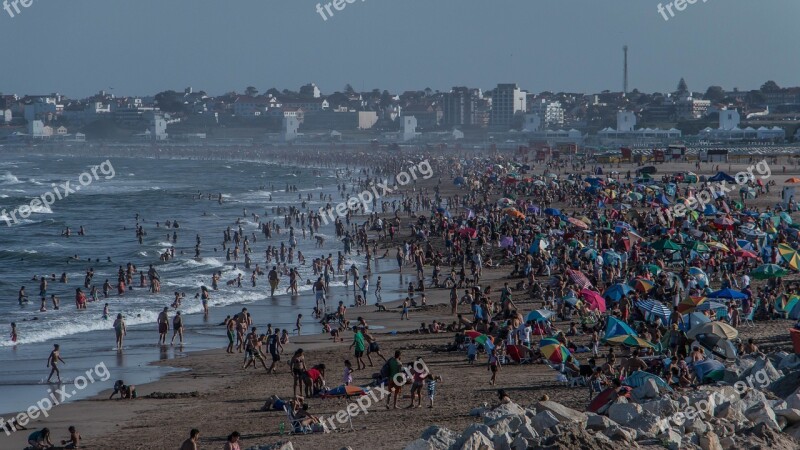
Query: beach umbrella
pixel 699 247
pixel 699 275
pixel 766 271
pixel 786 217
pixel 485 340
pixel 513 212
pixel 723 223
pixel 552 212
pixel 744 244
pixel 616 327
pixel 471 233
pixel 694 319
pixel 793 180
pixel 458 181
pixel 716 328
pixel 653 269
pixel 539 315
pixel 594 300
pixel 472 334
pixel 640 377
pixel 506 241
pixel 655 308
pixel 789 306
pixel 745 254
pixel 538 183
pixel 550 340
pixel 719 246
pixel 588 253
pixel 611 257
pixel 579 278
pixel 689 304
pixel 665 245
pixel 555 353
pixel 552 175
pixel 578 223
pixel 709 369
pixel 533 209
pixel 505 202
pixel 642 285
pixel 789 255
pixel 615 292
pixel 720 347
pixel 730 294
pixel 629 341
pixel 635 196
pixel 710 305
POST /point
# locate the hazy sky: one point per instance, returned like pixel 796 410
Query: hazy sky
pixel 140 47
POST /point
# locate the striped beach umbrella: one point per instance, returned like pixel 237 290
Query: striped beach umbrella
pixel 555 353
pixel 629 340
pixel 789 255
pixel 766 271
pixel 642 285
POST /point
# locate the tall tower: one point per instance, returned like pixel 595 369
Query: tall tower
pixel 625 76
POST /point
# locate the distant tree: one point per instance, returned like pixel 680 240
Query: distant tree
pixel 273 92
pixel 682 86
pixel 251 91
pixel 170 101
pixel 386 99
pixel 348 89
pixel 756 98
pixel 714 93
pixel 770 86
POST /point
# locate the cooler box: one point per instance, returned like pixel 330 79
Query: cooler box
pixel 795 339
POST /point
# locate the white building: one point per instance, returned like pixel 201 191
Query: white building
pixel 729 130
pixel 729 119
pixel 626 121
pixel 409 130
pixel 507 101
pixel 552 112
pixel 290 126
pixel 532 123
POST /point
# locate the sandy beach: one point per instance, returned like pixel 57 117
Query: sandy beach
pixel 212 392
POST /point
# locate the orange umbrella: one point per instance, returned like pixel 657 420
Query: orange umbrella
pixel 793 180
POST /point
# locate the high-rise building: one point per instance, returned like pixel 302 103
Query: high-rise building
pixel 507 100
pixel 459 107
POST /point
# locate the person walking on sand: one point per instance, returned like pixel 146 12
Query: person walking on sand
pixel 358 343
pixel 163 326
pixel 191 443
pixel 395 367
pixel 404 312
pixel 52 361
pixel 494 365
pixel 177 326
pixel 120 330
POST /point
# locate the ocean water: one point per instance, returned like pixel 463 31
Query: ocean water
pixel 158 190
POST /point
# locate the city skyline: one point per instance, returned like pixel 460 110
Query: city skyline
pixel 150 47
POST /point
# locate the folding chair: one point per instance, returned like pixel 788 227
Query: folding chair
pixel 295 427
pixel 749 318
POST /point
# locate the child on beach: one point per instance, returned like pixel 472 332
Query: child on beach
pixel 431 384
pixel 472 352
pixel 298 325
pixel 347 378
pixel 105 312
pixel 404 313
pixel 494 366
pixel 74 439
pixel 13 332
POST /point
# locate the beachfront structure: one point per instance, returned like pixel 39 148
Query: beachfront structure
pixel 626 131
pixel 409 131
pixel 532 123
pixel 289 129
pixel 507 100
pixel 729 130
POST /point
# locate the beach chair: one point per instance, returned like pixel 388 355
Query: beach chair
pixel 295 427
pixel 748 319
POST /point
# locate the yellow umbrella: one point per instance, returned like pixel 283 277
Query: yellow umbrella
pixel 789 255
pixel 719 245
